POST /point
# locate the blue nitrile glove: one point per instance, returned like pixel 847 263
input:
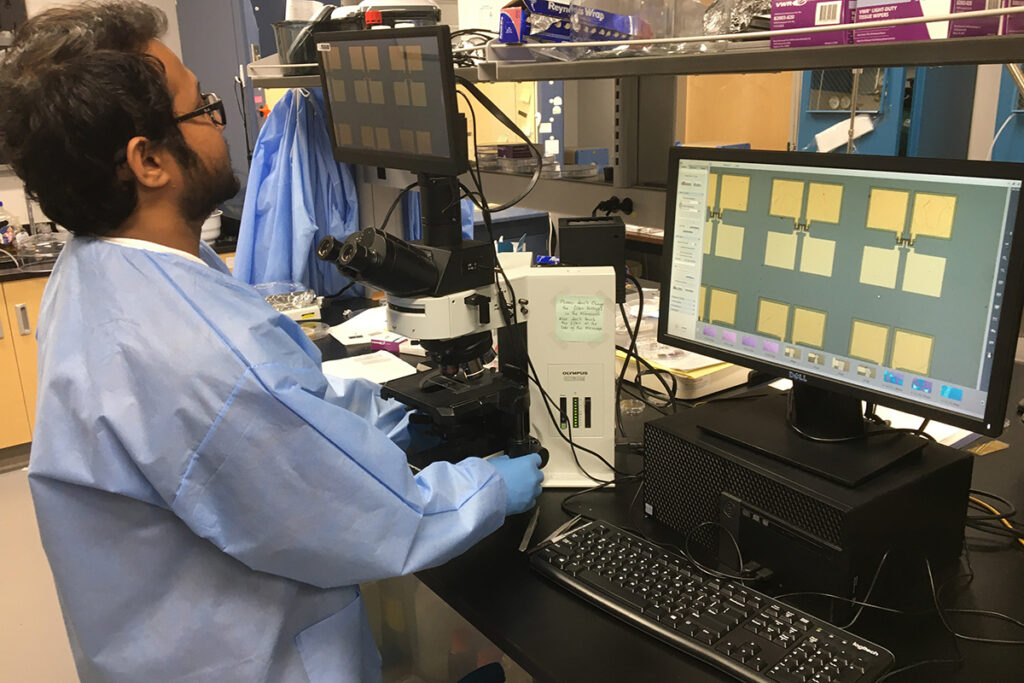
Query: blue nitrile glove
pixel 522 477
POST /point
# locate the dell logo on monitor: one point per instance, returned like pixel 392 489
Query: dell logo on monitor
pixel 797 376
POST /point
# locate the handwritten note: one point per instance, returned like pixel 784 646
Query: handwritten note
pixel 579 318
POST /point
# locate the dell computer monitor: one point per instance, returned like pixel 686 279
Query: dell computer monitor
pixel 896 281
pixel 390 97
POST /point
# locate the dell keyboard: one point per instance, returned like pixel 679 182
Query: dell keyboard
pixel 746 634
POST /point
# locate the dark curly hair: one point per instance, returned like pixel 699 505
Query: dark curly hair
pixel 74 89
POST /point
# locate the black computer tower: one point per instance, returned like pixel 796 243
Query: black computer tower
pixel 813 534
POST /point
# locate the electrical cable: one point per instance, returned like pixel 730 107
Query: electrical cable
pixel 729 576
pixel 670 390
pixel 472 40
pixel 508 123
pixel 866 435
pixel 9 255
pixel 851 601
pixel 474 31
pixel 915 665
pixel 635 339
pixel 603 485
pixel 996 530
pixel 341 291
pixel 647 394
pixel 861 604
pixel 394 204
pixel 633 334
pixel 632 503
pixel 634 391
pixel 668 397
pixel 975 494
pixel 961 636
pixel 992 147
pixel 987 523
pixel 239 98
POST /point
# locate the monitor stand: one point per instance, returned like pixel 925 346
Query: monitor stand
pixel 778 425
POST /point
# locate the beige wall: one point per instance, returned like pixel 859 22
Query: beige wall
pixel 516 100
pixel 736 108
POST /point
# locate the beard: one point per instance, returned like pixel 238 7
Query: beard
pixel 206 187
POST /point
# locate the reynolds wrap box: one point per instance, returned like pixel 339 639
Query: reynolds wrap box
pixel 970 28
pixel 1012 23
pixel 880 10
pixel 538 20
pixel 805 13
pixel 546 21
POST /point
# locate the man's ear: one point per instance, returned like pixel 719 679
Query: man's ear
pixel 149 163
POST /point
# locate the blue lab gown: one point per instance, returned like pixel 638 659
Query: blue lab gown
pixel 297 194
pixel 207 503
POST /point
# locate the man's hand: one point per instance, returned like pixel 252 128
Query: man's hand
pixel 522 478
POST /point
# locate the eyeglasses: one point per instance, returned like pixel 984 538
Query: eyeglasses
pixel 213 107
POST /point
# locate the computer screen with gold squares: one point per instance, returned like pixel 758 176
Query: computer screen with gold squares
pixel 882 277
pixel 390 97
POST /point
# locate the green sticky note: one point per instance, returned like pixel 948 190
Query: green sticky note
pixel 579 318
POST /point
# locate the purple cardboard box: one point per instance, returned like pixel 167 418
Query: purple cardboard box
pixel 788 14
pixel 1012 23
pixel 969 28
pixel 880 10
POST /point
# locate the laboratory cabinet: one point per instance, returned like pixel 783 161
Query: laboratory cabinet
pixel 922 111
pixel 19 315
pixel 1008 141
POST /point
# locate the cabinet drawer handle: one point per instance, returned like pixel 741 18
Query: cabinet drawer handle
pixel 1 329
pixel 21 313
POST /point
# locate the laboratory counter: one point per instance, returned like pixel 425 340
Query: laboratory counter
pixel 556 636
pixel 11 274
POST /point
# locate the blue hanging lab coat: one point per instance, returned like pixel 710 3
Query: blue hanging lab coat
pixel 207 503
pixel 297 195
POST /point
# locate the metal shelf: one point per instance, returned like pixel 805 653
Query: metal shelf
pixel 758 57
pixel 738 58
pixel 269 72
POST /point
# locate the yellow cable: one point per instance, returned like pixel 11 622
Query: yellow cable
pixel 995 512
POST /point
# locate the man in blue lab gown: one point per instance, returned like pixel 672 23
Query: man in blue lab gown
pixel 207 502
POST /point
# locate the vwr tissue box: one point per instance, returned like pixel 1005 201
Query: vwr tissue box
pixel 880 10
pixel 1012 23
pixel 806 13
pixel 969 28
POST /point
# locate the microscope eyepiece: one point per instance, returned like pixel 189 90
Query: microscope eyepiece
pixel 382 261
pixel 328 249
